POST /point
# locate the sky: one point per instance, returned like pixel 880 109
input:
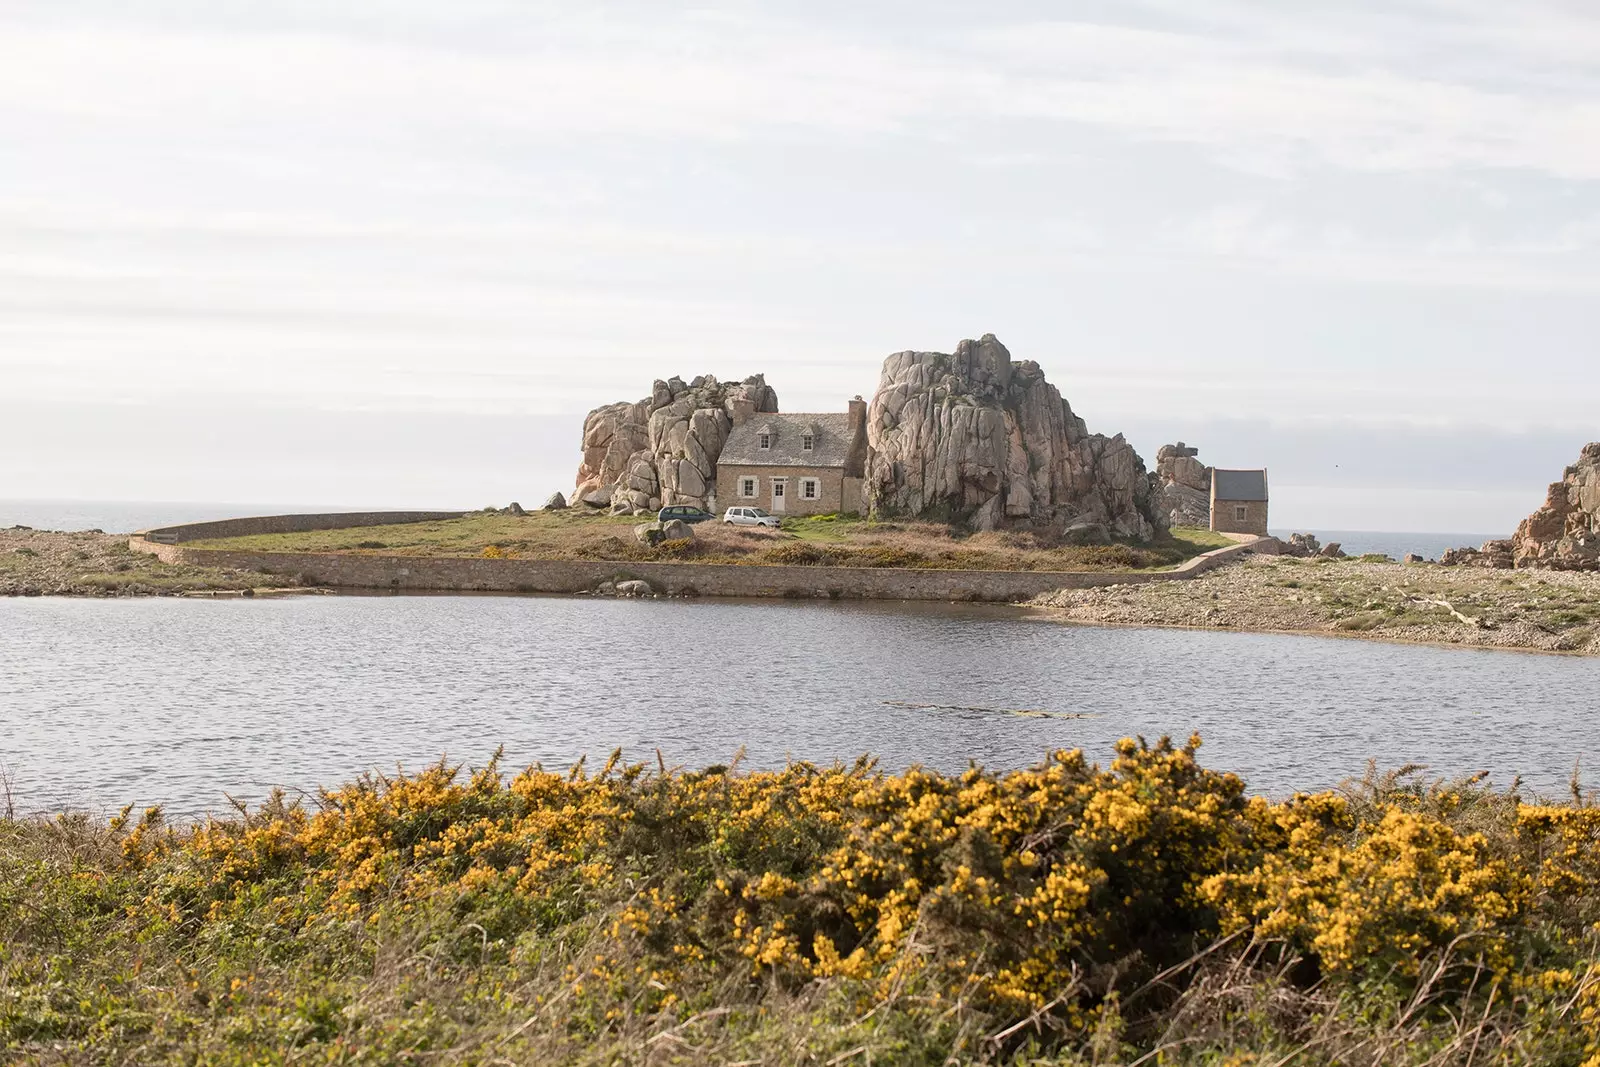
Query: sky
pixel 388 252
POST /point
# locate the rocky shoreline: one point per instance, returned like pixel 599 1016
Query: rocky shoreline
pixel 1526 609
pixel 1532 610
pixel 95 564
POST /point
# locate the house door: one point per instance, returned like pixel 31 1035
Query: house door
pixel 780 492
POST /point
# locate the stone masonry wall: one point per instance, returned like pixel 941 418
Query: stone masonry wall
pixel 1255 521
pixel 273 524
pixel 830 489
pixel 401 573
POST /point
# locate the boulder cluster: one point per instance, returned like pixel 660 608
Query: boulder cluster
pixel 663 449
pixel 969 438
pixel 1562 535
pixel 1305 546
pixel 1184 486
pixel 974 439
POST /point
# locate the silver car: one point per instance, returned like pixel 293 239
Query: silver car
pixel 751 517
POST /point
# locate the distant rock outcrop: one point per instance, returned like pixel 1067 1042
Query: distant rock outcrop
pixel 1301 546
pixel 1496 555
pixel 975 439
pixel 663 449
pixel 1565 533
pixel 1184 493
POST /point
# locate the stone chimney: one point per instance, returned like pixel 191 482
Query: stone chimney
pixel 743 410
pixel 856 463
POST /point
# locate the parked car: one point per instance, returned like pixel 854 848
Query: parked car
pixel 751 517
pixel 684 513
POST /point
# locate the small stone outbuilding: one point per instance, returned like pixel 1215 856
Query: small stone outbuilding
pixel 806 464
pixel 1239 501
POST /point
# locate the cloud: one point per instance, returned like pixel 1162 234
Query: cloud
pixel 1374 214
pixel 1421 87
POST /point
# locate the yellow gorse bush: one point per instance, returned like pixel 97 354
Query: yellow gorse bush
pixel 1036 893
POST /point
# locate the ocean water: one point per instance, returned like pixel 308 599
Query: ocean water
pixel 1395 545
pixel 182 702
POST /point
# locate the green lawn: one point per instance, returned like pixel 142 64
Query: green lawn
pixel 826 540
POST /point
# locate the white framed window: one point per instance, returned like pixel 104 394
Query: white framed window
pixel 747 488
pixel 809 489
pixel 807 443
pixel 765 441
pixel 1240 512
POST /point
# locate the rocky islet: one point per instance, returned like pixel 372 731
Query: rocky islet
pixel 968 437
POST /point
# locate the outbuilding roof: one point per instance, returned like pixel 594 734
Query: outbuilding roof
pixel 1239 485
pixel 831 434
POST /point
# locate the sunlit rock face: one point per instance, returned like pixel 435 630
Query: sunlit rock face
pixel 663 449
pixel 1183 486
pixel 1565 533
pixel 972 438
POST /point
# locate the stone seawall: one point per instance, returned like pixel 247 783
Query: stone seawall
pixel 402 573
pixel 277 524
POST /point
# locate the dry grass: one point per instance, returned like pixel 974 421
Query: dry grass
pixel 1061 915
pixel 1543 610
pixel 39 563
pixel 820 541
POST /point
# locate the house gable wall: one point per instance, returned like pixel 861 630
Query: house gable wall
pixel 1224 520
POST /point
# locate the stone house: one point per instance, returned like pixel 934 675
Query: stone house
pixel 1239 501
pixel 806 464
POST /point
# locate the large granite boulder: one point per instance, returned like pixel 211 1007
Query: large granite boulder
pixel 1184 486
pixel 1565 533
pixel 972 438
pixel 663 449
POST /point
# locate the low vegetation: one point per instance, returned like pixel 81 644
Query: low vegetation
pixel 1554 611
pixel 1147 912
pixel 829 540
pixel 39 563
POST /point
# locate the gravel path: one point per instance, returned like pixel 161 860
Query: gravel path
pixel 1551 611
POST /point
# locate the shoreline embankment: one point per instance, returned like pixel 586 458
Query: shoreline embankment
pixel 398 573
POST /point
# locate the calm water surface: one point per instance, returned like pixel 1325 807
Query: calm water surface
pixel 104 703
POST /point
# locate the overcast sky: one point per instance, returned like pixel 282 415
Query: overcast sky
pixel 389 251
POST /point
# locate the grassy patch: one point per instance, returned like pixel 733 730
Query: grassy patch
pixel 1200 538
pixel 829 540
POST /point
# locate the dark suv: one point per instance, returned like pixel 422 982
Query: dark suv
pixel 684 513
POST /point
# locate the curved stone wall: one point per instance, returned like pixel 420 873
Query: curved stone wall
pixel 276 524
pixel 457 574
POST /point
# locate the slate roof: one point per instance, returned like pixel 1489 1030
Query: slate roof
pixel 1239 485
pixel 833 432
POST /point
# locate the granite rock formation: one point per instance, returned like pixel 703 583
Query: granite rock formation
pixel 1496 555
pixel 1562 535
pixel 663 449
pixel 975 439
pixel 1565 533
pixel 1184 493
pixel 1301 546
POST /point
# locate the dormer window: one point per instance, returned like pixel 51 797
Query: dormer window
pixel 764 441
pixel 808 442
